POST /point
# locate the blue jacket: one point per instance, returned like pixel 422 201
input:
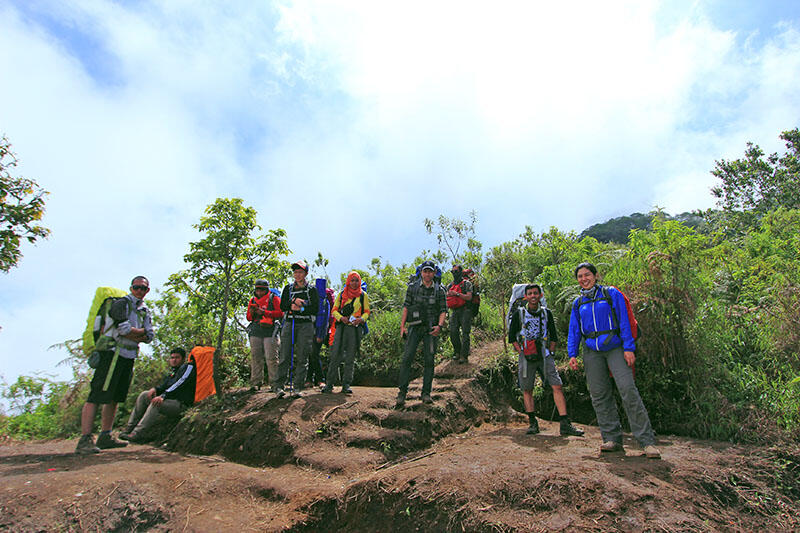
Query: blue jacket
pixel 591 317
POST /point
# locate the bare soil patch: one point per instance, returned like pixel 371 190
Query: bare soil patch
pixel 324 462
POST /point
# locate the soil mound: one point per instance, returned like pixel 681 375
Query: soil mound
pixel 324 462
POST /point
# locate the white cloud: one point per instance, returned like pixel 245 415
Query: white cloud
pixel 348 123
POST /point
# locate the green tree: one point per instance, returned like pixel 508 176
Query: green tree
pixel 224 264
pixel 502 270
pixel 753 186
pixel 456 239
pixel 21 207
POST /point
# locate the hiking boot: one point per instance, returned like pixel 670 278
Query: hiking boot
pixel 86 446
pixel 254 388
pixel 652 452
pixel 611 446
pixel 133 437
pixel 347 390
pixel 533 428
pixel 297 394
pixel 567 429
pixel 326 390
pixel 279 393
pixel 106 442
pixel 426 398
pixel 401 400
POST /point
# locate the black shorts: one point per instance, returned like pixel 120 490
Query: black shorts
pixel 116 390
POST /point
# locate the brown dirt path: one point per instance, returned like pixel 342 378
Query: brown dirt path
pixel 325 462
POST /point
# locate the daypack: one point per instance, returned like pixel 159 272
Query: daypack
pixel 98 321
pixel 454 302
pixel 517 300
pixel 605 295
pixel 203 357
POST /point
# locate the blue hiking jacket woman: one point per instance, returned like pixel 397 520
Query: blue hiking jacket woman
pixel 590 317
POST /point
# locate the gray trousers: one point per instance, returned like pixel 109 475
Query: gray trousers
pixel 263 349
pixel 345 346
pixel 417 334
pixel 597 365
pixel 145 415
pixel 460 325
pixel 294 357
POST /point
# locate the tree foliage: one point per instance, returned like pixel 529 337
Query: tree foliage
pixel 754 185
pixel 21 209
pixel 456 240
pixel 224 264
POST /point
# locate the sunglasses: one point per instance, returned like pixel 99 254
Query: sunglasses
pixel 140 287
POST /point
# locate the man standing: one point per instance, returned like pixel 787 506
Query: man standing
pixel 424 313
pixel 128 323
pixel 459 294
pixel 300 302
pixel 533 333
pixel 168 400
pixel 263 310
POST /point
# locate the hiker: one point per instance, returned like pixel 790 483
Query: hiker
pixel 602 324
pixel 533 333
pixel 300 303
pixel 459 296
pixel 351 311
pixel 475 302
pixel 129 322
pixel 316 376
pixel 167 401
pixel 263 310
pixel 424 313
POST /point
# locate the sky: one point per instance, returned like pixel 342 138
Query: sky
pixel 347 123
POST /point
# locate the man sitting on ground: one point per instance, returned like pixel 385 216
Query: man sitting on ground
pixel 167 401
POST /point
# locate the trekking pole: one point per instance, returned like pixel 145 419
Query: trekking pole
pixel 291 364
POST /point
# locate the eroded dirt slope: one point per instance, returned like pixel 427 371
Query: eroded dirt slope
pixel 326 462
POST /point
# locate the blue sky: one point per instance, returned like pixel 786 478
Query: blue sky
pixel 347 123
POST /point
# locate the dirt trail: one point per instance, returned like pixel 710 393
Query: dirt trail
pixel 331 461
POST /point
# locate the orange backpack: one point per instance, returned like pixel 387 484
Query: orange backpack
pixel 204 359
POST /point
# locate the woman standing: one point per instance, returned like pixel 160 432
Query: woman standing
pixel 350 310
pixel 600 320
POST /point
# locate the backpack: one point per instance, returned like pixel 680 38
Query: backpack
pixel 203 357
pixel 98 319
pixel 517 300
pixel 605 295
pixel 437 275
pixel 475 303
pixel 322 322
pixel 454 302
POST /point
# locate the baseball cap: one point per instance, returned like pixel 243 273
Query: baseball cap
pixel 300 265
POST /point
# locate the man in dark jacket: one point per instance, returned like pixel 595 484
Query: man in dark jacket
pixel 300 303
pixel 422 319
pixel 167 401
